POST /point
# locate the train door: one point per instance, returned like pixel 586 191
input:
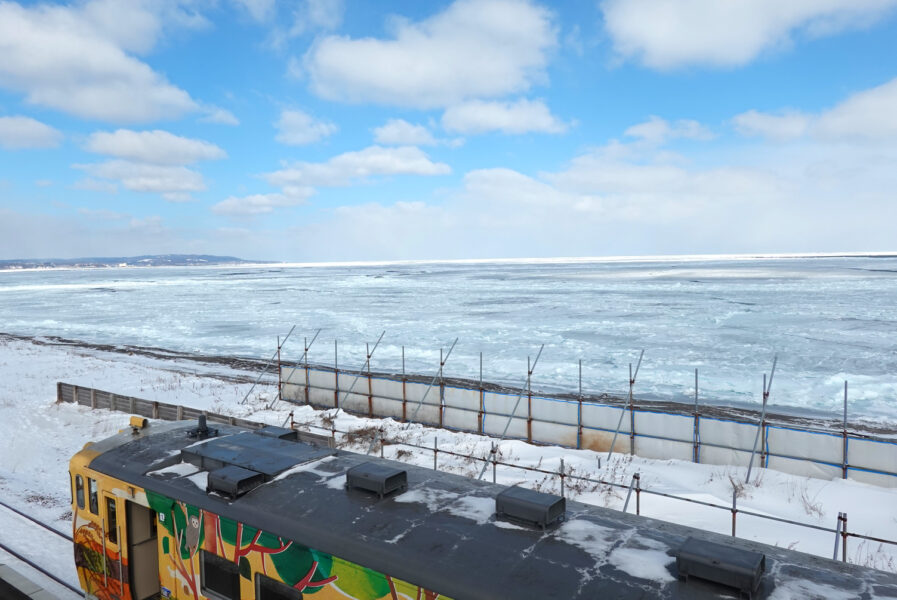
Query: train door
pixel 143 552
pixel 115 574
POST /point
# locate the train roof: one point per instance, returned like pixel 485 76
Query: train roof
pixel 441 532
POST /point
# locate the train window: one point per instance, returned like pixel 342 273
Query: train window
pixel 112 521
pixel 271 589
pixel 79 490
pixel 92 496
pixel 220 577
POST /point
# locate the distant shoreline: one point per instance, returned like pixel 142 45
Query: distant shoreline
pixel 251 264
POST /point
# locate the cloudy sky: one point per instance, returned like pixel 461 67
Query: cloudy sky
pixel 315 130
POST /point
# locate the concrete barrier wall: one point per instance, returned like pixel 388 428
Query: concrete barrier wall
pixel 587 424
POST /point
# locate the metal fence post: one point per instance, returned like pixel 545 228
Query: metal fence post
pixel 367 350
pixel 844 538
pixel 562 478
pixel 844 462
pixel 579 411
pixel 435 451
pixel 638 494
pixel 494 460
pixel 696 457
pixel 529 403
pixel 837 535
pixel 441 389
pixel 404 390
pixel 93 398
pixel 481 412
pixel 335 375
pixel 734 510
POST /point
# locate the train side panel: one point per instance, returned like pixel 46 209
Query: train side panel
pixel 204 555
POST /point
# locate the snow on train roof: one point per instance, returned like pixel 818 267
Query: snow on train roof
pixel 442 534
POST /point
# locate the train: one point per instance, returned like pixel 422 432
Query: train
pixel 192 510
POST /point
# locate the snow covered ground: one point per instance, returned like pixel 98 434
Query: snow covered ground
pixel 39 436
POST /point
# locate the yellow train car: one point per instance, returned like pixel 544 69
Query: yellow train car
pixel 184 511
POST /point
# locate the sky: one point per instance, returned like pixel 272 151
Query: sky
pixel 317 130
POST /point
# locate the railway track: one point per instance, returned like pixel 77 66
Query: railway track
pixel 28 561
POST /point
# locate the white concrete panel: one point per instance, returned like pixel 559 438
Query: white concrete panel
pixel 867 454
pixel 293 375
pixel 503 404
pixel 387 389
pixel 722 456
pixel 345 384
pixel 462 398
pixel 322 380
pixel 354 403
pixel 872 478
pixel 457 418
pixel 557 411
pixel 427 414
pixel 804 468
pixel 600 441
pixel 662 449
pixel 728 433
pixel 495 424
pixel 320 397
pixel 415 391
pixel 547 433
pixel 293 393
pixel 602 416
pixel 384 407
pixel 803 444
pixel 677 427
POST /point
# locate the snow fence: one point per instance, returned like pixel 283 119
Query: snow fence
pixel 584 423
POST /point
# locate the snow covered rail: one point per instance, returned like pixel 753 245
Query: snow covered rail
pixel 707 434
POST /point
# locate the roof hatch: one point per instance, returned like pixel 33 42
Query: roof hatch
pixel 377 477
pixel 729 566
pixel 530 507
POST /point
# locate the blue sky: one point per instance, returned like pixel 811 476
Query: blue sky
pixel 327 130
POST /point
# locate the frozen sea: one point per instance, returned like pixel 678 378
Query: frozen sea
pixel 829 319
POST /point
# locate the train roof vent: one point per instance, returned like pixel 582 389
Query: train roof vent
pixel 233 481
pixel 377 477
pixel 281 433
pixel 720 563
pixel 529 507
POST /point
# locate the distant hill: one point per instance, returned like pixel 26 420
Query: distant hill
pixel 149 260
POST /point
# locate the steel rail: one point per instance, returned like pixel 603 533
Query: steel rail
pixel 36 522
pixel 40 569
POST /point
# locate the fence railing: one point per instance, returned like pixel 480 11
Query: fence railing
pixel 703 435
pixel 564 475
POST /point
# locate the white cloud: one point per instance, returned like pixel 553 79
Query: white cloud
pixel 522 116
pixel 473 49
pixel 868 114
pixel 398 132
pixel 101 214
pixel 258 204
pixel 141 177
pixel 76 59
pixel 155 147
pixel 90 184
pixel 317 14
pixel 25 132
pixel 353 166
pixel 43 182
pixel 665 35
pixel 786 125
pixel 219 116
pixel 865 116
pixel 297 128
pixel 260 10
pixel 659 131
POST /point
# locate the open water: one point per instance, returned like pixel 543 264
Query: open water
pixel 827 319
